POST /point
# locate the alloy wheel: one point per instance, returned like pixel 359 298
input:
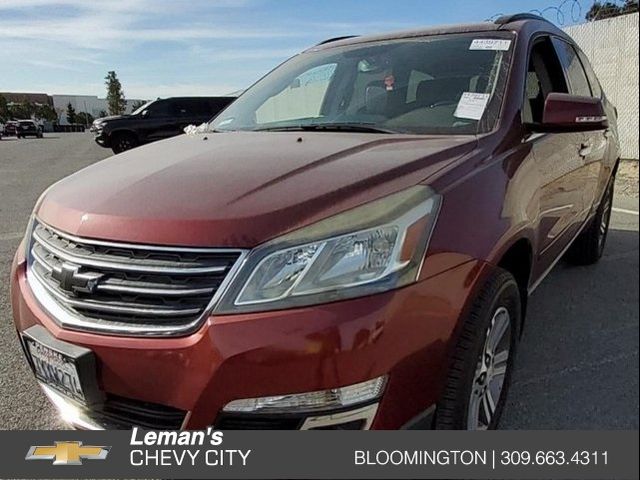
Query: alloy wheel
pixel 491 370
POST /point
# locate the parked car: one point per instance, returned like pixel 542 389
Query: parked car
pixel 28 128
pixel 10 128
pixel 351 245
pixel 156 120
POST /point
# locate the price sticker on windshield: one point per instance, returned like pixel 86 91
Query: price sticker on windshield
pixel 472 105
pixel 490 44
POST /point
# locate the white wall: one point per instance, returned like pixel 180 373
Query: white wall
pixel 83 103
pixel 612 47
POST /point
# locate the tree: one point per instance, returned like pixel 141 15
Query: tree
pixel 115 96
pixel 4 109
pixel 102 113
pixel 45 112
pixel 601 10
pixel 22 110
pixel 71 114
pixel 84 118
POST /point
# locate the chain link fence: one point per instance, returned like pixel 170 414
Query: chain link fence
pixel 612 46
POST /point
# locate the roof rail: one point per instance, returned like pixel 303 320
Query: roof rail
pixel 504 19
pixel 335 39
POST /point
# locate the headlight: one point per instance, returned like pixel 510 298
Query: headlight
pixel 369 249
pixel 311 401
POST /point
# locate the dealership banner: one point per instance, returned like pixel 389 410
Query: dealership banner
pixel 319 454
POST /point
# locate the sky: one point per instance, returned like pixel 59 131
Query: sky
pixel 199 47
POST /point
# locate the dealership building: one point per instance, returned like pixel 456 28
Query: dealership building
pixel 85 103
pixel 81 103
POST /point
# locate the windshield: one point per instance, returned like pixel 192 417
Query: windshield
pixel 443 84
pixel 141 109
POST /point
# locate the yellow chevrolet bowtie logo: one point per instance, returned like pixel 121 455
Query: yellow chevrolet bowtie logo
pixel 67 453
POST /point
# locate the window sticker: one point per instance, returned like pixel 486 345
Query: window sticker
pixel 472 105
pixel 490 44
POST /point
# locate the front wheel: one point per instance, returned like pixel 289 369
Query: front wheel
pixel 483 358
pixel 123 141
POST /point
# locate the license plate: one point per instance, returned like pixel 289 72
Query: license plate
pixel 65 367
pixel 56 370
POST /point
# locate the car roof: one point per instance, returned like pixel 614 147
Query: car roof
pixel 520 22
pixel 196 98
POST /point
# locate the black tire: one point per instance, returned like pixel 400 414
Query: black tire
pixel 500 293
pixel 588 248
pixel 122 142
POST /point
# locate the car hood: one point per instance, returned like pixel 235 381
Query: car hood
pixel 239 189
pixel 112 118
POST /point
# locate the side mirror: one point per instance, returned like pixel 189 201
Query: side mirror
pixel 572 113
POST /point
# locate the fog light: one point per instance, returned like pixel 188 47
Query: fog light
pixel 312 401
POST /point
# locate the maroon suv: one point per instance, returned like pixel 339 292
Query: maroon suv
pixel 350 245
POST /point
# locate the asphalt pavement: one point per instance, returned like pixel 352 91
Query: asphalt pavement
pixel 577 367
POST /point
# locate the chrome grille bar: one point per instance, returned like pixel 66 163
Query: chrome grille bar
pixel 126 289
pixel 130 309
pixel 155 267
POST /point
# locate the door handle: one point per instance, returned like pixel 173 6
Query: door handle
pixel 585 149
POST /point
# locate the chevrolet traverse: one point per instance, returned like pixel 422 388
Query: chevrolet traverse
pixel 349 245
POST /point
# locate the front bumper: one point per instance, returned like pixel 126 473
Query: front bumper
pixel 406 334
pixel 99 137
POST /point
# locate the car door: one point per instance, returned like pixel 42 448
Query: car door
pixel 558 165
pixel 593 144
pixel 158 122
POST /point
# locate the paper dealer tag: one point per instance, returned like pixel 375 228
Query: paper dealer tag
pixel 490 44
pixel 472 105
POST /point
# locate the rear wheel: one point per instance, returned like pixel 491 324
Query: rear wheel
pixel 480 371
pixel 588 248
pixel 123 141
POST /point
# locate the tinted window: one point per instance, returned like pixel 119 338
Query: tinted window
pixel 158 108
pixel 217 104
pixel 572 65
pixel 189 107
pixel 593 79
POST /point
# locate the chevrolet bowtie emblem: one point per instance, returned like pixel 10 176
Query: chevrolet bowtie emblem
pixel 67 453
pixel 72 279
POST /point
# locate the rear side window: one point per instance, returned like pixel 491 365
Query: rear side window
pixel 596 89
pixel 573 67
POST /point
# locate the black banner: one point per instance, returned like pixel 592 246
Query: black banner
pixel 319 454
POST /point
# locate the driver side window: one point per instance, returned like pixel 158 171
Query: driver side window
pixel 544 75
pixel 157 109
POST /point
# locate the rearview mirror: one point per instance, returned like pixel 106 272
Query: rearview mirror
pixel 571 113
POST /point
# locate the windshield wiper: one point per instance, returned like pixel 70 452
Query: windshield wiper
pixel 329 127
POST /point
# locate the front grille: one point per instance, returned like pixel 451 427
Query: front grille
pixel 119 413
pixel 125 288
pixel 238 421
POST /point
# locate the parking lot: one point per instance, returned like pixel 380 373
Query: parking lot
pixel 578 362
